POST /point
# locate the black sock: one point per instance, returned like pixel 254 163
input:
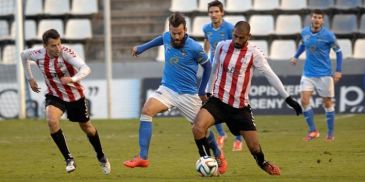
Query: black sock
pixel 203 147
pixel 95 142
pixel 259 157
pixel 60 141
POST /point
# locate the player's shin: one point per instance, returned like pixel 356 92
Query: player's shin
pixel 259 157
pixel 203 146
pixel 60 141
pixel 145 134
pixel 330 117
pixel 213 144
pixel 95 142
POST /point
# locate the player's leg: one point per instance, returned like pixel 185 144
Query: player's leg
pixel 204 137
pixel 190 105
pixel 330 117
pixel 306 87
pixel 94 139
pixel 221 135
pixel 78 112
pixel 55 108
pixel 326 91
pixel 158 102
pixel 237 144
pixel 253 145
pixel 203 121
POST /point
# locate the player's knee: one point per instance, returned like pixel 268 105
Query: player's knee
pixel 147 111
pixel 198 131
pixel 305 102
pixel 88 128
pixel 327 103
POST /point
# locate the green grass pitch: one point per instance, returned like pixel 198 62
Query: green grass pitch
pixel 27 152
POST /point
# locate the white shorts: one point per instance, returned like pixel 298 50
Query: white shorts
pixel 323 85
pixel 188 104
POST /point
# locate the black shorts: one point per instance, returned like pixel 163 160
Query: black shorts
pixel 237 119
pixel 77 111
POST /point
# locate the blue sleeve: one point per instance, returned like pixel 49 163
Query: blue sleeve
pixel 205 32
pixel 205 78
pixel 153 43
pixel 230 31
pixel 339 61
pixel 300 50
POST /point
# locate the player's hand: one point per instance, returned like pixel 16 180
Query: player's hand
pixel 134 51
pixel 293 61
pixel 337 76
pixel 34 86
pixel 204 98
pixel 66 80
pixel 294 104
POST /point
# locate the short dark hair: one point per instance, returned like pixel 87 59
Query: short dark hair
pixel 177 19
pixel 242 25
pixel 50 34
pixel 318 12
pixel 216 3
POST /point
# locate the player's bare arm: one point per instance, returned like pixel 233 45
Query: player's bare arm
pixel 34 86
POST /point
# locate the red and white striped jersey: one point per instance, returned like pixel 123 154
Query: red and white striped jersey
pixel 67 64
pixel 232 72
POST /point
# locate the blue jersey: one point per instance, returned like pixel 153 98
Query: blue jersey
pixel 213 35
pixel 181 65
pixel 317 47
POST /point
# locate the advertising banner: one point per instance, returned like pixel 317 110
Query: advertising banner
pixel 264 99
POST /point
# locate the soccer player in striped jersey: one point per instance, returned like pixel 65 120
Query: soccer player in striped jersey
pixel 179 86
pixel 317 42
pixel 229 84
pixel 63 69
pixel 215 31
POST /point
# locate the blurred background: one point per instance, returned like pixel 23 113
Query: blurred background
pixel 103 32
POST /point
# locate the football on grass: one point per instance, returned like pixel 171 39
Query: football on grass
pixel 206 166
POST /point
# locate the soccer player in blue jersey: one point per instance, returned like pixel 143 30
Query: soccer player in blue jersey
pixel 317 41
pixel 179 86
pixel 215 31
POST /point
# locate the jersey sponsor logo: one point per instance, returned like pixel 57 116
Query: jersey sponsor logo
pixel 231 70
pixel 174 60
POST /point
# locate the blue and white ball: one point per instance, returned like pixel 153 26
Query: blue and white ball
pixel 207 166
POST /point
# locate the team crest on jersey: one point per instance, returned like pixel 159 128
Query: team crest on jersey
pixel 222 35
pixel 313 48
pixel 174 60
pixel 306 37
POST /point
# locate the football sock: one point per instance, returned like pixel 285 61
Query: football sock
pixel 220 130
pixel 145 134
pixel 308 115
pixel 60 141
pixel 203 147
pixel 95 142
pixel 239 138
pixel 330 115
pixel 213 144
pixel 259 157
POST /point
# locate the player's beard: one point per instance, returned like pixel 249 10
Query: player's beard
pixel 178 45
pixel 239 46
